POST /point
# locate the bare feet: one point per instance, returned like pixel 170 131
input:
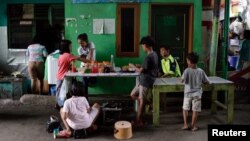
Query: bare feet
pixel 64 134
pixel 185 127
pixel 194 128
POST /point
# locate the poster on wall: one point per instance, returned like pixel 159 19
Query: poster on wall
pixel 109 1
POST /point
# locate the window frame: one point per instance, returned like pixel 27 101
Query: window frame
pixel 13 19
pixel 119 52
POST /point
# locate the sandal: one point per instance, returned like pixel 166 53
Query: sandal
pixel 63 134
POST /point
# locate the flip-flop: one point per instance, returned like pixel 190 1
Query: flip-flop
pixel 63 134
pixel 194 129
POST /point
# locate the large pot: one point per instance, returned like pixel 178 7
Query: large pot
pixel 123 130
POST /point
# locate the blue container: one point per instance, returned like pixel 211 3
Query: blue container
pixel 233 60
pixel 53 90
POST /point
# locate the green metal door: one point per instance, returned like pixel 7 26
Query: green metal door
pixel 169 25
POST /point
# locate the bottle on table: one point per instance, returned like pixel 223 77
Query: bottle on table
pixel 94 68
pixel 112 62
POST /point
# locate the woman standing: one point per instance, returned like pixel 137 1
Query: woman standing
pixel 36 53
pixel 86 48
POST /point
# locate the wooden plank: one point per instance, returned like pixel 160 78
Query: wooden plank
pixel 230 103
pixel 240 74
pixel 218 103
pixel 177 81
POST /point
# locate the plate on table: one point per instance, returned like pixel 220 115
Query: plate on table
pixel 128 71
pixel 117 69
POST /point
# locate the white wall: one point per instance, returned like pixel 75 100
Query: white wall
pixel 3 43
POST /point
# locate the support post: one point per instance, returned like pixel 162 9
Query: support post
pixel 226 43
pixel 214 40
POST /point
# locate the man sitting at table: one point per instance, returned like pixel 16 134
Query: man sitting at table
pixel 148 72
pixel 169 65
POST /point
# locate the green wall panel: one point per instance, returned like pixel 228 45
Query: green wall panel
pixel 105 44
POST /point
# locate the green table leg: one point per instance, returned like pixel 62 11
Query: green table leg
pixel 230 104
pixel 213 105
pixel 156 107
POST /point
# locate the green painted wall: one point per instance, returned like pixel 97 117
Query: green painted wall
pixel 105 44
pixel 4 3
pixel 197 47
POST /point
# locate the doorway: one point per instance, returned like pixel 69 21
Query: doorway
pixel 173 25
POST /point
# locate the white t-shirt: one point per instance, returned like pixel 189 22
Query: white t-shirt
pixel 78 118
pixel 86 51
pixel 236 27
pixel 193 80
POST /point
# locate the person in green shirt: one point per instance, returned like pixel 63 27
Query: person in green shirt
pixel 169 65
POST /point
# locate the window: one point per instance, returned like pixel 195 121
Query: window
pixel 26 20
pixel 127 30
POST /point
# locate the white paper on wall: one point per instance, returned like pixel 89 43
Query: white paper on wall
pixel 98 25
pixel 109 26
pixel 103 26
pixel 3 43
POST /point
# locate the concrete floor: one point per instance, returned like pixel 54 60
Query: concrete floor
pixel 29 125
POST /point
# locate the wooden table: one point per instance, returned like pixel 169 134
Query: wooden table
pixel 165 85
pixel 114 74
pixel 69 76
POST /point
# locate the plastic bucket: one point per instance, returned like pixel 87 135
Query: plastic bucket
pixel 233 60
pixel 53 90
